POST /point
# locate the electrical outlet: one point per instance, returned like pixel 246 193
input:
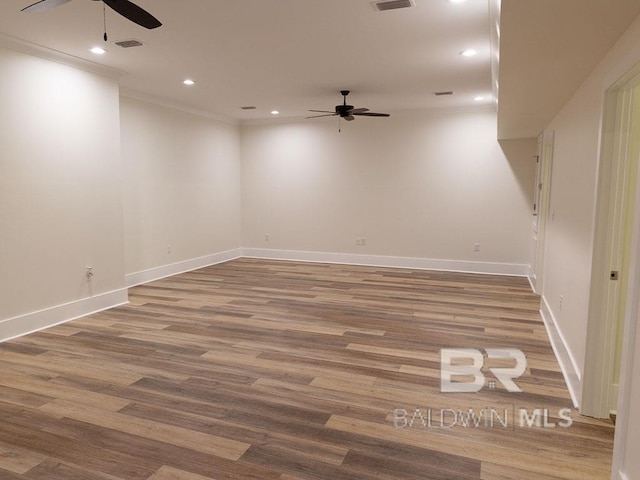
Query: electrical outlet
pixel 88 272
pixel 267 237
pixel 476 247
pixel 168 249
pixel 361 242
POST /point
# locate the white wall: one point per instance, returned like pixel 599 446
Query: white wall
pixel 60 197
pixel 573 195
pixel 72 195
pixel 422 186
pixel 571 218
pixel 181 190
pixel 570 236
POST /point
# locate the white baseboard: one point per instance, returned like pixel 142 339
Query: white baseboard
pixel 145 276
pixel 566 360
pixel 511 269
pixel 531 276
pixel 32 322
pixel 622 476
pixel 615 394
pixel 35 321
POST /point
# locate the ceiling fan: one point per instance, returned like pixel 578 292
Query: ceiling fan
pixel 127 9
pixel 348 112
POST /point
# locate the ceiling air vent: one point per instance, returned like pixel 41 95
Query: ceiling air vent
pixel 248 108
pixel 385 5
pixel 129 43
pixel 441 94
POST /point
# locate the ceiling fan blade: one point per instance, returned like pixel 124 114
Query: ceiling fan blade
pixel 44 5
pixel 326 115
pixel 348 118
pixel 322 111
pixel 134 13
pixel 358 111
pixel 372 114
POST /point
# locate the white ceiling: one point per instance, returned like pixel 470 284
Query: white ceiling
pixel 290 55
pixel 295 55
pixel 547 49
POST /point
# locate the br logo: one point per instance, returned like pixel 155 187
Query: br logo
pixel 461 369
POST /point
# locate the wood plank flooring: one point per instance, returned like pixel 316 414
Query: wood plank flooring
pixel 264 370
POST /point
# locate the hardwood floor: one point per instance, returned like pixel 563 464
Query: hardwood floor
pixel 277 370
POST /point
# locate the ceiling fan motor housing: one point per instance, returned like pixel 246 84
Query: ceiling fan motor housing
pixel 343 110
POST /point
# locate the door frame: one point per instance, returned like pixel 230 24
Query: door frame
pixel 541 210
pixel 607 251
pixel 631 326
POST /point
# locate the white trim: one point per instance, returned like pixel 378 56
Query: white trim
pixel 35 321
pixel 145 276
pixel 32 322
pixel 545 149
pixel 621 451
pixel 418 112
pixel 494 46
pixel 531 276
pixel 46 53
pixel 615 395
pixel 610 229
pixel 489 268
pixel 562 351
pixel 165 103
pixel 622 476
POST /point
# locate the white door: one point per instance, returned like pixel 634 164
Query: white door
pixel 613 247
pixel 541 209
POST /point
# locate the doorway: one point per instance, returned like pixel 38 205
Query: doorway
pixel 613 246
pixel 541 209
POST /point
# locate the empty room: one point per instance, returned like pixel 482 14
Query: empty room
pixel 319 240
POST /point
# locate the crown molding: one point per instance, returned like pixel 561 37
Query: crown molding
pixel 163 102
pixel 22 46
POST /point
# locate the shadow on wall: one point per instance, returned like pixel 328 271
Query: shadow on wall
pixel 521 155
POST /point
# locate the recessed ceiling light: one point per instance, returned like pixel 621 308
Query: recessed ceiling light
pixel 98 51
pixel 274 112
pixel 469 52
pixel 189 82
pixel 457 1
pixel 478 98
